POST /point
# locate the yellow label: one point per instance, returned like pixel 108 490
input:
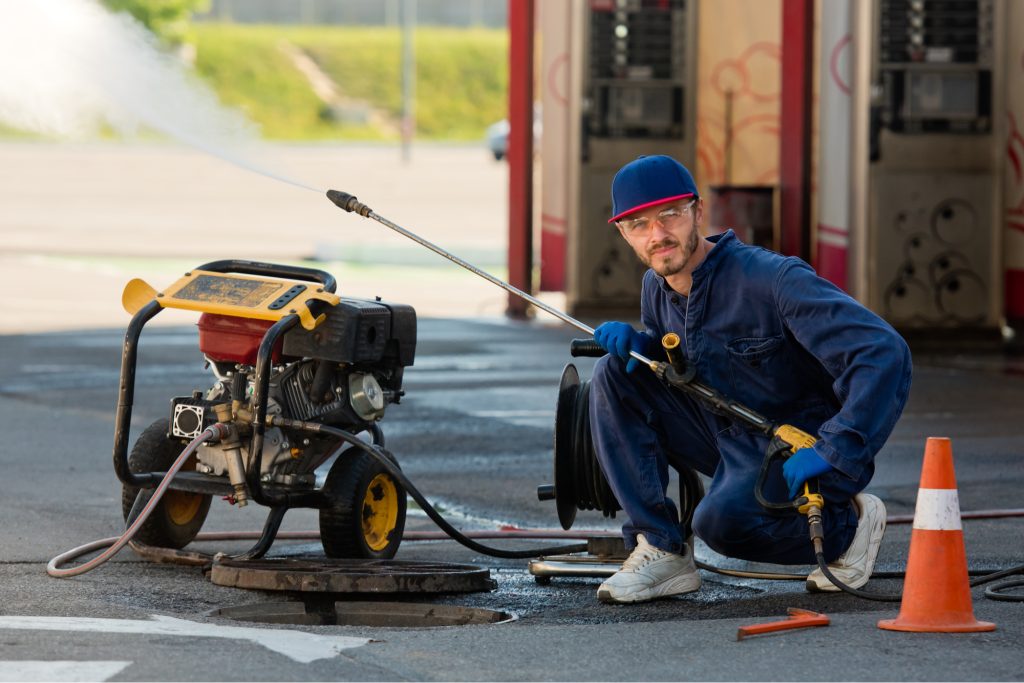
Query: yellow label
pixel 797 438
pixel 229 291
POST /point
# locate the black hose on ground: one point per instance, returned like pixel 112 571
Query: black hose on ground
pixel 879 597
pixel 995 592
pixel 380 454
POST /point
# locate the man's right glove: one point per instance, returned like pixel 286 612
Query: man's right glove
pixel 619 339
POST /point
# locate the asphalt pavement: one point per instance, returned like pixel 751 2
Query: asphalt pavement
pixel 474 433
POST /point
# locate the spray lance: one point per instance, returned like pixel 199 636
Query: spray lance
pixel 676 372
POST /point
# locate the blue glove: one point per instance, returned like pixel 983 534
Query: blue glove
pixel 803 465
pixel 619 339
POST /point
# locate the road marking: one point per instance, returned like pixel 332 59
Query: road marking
pixel 59 671
pixel 300 646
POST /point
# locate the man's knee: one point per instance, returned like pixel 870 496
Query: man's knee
pixel 609 372
pixel 729 535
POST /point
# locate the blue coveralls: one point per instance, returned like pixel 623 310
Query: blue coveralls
pixel 766 331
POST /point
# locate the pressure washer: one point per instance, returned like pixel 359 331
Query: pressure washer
pixel 302 375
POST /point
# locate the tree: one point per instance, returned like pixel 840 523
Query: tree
pixel 167 19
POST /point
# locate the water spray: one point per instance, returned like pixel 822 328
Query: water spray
pixel 350 203
pixel 72 67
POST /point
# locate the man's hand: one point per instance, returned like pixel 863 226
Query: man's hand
pixel 803 465
pixel 619 339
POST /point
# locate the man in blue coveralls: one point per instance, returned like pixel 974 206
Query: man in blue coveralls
pixel 766 331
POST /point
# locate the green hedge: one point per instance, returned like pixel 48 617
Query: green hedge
pixel 462 77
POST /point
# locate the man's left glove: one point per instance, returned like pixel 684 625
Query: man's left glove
pixel 803 465
pixel 619 339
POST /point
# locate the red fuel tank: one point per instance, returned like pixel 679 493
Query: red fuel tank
pixel 233 339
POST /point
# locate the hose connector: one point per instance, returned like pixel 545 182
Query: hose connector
pixel 344 200
pixel 670 342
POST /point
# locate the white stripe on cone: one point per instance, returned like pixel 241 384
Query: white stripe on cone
pixel 937 510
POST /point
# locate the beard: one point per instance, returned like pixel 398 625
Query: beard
pixel 675 261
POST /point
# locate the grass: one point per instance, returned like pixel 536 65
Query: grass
pixel 461 78
pixel 247 70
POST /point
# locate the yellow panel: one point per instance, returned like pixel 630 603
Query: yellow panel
pixel 245 296
pixel 137 294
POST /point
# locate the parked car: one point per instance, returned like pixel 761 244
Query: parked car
pixel 497 139
pixel 497 135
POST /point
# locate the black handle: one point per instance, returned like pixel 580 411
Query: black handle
pixel 546 492
pixel 586 347
pixel 273 270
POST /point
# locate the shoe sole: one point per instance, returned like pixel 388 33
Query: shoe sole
pixel 648 594
pixel 813 587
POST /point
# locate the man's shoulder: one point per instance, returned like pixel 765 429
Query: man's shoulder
pixel 758 262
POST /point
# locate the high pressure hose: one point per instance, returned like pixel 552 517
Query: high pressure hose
pixel 144 506
pixel 380 454
pixel 137 517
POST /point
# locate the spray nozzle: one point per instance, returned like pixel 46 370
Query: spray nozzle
pixel 346 201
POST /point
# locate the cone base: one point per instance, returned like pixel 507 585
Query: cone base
pixel 972 626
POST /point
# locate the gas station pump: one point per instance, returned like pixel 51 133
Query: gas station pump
pixel 633 93
pixel 935 175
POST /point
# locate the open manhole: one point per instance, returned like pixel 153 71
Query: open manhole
pixel 351 576
pixel 378 614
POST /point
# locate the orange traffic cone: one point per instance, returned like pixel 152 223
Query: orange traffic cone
pixel 937 592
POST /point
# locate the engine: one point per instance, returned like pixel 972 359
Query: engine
pixel 343 374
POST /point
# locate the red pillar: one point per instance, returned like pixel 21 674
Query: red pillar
pixel 520 152
pixel 796 117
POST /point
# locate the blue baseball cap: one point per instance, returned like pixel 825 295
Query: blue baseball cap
pixel 649 181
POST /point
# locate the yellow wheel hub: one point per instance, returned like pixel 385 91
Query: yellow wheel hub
pixel 182 506
pixel 380 511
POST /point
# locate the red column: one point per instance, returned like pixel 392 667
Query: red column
pixel 520 152
pixel 795 139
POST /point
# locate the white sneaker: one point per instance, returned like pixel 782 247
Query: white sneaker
pixel 854 566
pixel 650 573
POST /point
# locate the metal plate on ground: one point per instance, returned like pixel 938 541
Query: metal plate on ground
pixel 351 576
pixel 573 565
pixel 377 613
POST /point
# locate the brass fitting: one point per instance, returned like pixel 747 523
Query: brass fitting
pixel 671 343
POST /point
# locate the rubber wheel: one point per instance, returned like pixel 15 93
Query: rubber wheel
pixel 365 514
pixel 179 515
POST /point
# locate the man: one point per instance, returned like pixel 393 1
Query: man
pixel 766 331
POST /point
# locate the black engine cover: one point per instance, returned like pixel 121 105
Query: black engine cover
pixel 359 331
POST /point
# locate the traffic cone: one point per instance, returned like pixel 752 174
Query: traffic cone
pixel 937 592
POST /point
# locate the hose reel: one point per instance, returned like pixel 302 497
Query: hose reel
pixel 579 482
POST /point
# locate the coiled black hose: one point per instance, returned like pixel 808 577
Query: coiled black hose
pixel 593 491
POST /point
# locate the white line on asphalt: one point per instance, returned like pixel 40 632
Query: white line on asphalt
pixel 28 670
pixel 300 646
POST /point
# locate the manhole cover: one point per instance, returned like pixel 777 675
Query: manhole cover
pixel 351 576
pixel 345 613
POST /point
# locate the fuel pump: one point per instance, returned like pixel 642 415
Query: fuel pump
pixel 934 175
pixel 632 93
